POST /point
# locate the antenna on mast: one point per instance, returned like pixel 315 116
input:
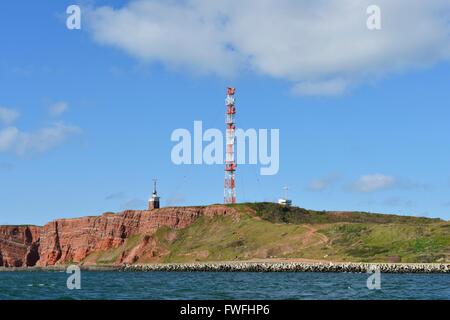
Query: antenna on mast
pixel 154 185
pixel 286 189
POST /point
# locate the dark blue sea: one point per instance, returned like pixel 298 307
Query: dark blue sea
pixel 184 285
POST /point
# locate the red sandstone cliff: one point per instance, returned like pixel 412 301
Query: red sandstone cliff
pixel 74 240
pixel 19 246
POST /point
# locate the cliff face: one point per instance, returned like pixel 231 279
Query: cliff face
pixel 19 245
pixel 223 233
pixel 73 240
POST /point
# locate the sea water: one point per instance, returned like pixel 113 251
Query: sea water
pixel 219 285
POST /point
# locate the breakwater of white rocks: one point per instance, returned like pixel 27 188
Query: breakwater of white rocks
pixel 291 267
pixel 257 267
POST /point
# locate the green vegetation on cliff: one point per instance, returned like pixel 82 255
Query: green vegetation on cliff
pixel 270 231
pixel 276 213
pixel 267 230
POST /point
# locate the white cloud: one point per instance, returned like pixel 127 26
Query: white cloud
pixel 333 87
pixel 321 47
pixel 8 137
pixel 322 183
pixel 8 116
pixel 373 182
pixel 58 108
pixel 177 35
pixel 14 140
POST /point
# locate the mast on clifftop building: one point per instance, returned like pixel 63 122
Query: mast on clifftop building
pixel 230 164
pixel 153 202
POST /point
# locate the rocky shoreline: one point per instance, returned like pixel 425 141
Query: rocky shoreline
pixel 350 267
pixel 291 267
pixel 59 268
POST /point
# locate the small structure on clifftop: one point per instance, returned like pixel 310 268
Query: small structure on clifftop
pixel 285 201
pixel 153 202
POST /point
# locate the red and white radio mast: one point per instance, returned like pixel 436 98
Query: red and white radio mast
pixel 230 164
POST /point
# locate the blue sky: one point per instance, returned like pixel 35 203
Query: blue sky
pixel 86 115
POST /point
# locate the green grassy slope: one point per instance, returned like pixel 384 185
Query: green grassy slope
pixel 266 230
